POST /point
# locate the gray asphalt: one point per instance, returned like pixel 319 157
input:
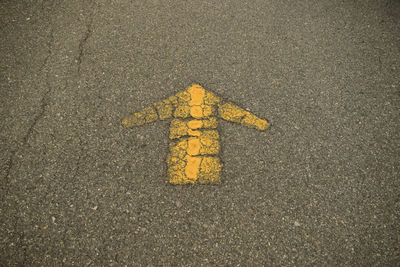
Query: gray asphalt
pixel 319 187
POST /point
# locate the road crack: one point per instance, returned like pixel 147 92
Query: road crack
pixel 44 102
pixel 83 42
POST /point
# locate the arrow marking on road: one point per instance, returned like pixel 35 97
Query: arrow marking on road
pixel 194 147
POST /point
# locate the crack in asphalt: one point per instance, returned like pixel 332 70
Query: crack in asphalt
pixel 10 164
pixel 44 102
pixel 83 42
pixel 39 114
pixel 50 44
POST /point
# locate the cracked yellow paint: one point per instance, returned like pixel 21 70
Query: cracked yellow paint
pixel 164 109
pixel 231 112
pixel 193 133
pixel 146 115
pixel 210 123
pixel 178 129
pixel 194 148
pixel 210 169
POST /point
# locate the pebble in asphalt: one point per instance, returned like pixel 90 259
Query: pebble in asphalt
pixel 319 187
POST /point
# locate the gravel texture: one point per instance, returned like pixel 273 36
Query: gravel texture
pixel 320 187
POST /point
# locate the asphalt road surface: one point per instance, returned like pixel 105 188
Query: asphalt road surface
pixel 319 187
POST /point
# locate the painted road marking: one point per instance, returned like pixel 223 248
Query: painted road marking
pixel 194 148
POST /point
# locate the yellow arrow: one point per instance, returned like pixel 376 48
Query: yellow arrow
pixel 194 148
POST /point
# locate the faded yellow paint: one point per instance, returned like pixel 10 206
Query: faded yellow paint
pixel 211 99
pixel 211 134
pixel 207 110
pixel 210 169
pixel 146 115
pixel 178 149
pixel 182 111
pixel 231 112
pixel 194 148
pixel 209 144
pixel 176 172
pixel 164 109
pixel 177 129
pixel 184 96
pixel 210 123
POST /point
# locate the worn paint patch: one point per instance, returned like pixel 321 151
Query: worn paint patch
pixel 194 148
pixel 231 112
pixel 144 116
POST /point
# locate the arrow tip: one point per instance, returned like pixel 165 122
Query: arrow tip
pixel 262 125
